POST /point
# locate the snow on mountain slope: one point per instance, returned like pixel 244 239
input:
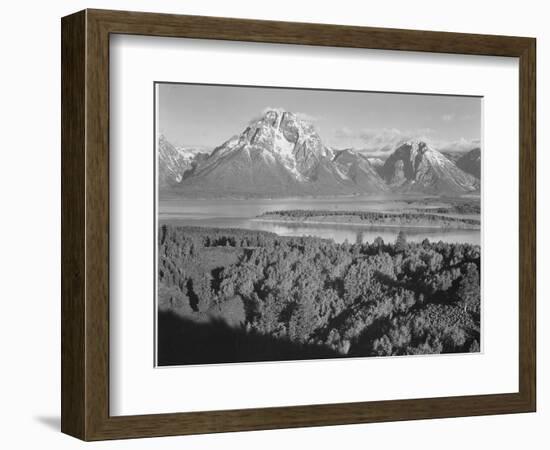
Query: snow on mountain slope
pixel 356 167
pixel 375 162
pixel 416 167
pixel 174 163
pixel 471 162
pixel 277 154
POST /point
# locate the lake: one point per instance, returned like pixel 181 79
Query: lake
pixel 240 213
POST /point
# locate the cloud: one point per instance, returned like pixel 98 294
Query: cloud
pixel 380 142
pixel 307 117
pixel 459 145
pixel 345 132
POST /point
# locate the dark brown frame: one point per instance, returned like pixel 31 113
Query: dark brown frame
pixel 85 224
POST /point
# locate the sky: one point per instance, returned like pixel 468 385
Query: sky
pixel 205 116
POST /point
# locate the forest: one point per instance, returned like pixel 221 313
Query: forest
pixel 458 209
pixel 227 295
pixel 402 219
pixel 454 205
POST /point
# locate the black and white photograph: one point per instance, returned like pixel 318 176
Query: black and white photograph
pixel 298 224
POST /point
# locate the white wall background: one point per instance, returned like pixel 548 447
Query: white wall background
pixel 30 225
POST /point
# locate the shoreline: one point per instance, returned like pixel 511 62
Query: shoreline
pixel 393 196
pixel 367 225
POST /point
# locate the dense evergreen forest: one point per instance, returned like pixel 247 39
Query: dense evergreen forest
pixel 403 219
pixel 457 209
pixel 304 297
pixel 454 205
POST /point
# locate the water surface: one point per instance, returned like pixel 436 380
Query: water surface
pixel 240 213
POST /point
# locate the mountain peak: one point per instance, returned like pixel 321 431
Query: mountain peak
pixel 283 134
pixel 276 112
pixel 470 162
pixel 281 119
pixel 279 153
pixel 414 146
pixel 175 162
pixel 416 166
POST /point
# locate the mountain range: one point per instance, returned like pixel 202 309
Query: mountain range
pixel 174 163
pixel 416 167
pixel 471 162
pixel 279 154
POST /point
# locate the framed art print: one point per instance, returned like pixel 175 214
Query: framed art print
pixel 271 224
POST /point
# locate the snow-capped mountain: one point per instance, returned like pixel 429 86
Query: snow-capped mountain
pixel 279 154
pixel 175 162
pixel 471 162
pixel 452 156
pixel 416 167
pixel 358 168
pixel 375 162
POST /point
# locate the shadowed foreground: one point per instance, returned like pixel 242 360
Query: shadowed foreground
pixel 183 341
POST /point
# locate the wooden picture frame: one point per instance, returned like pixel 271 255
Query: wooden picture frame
pixel 85 224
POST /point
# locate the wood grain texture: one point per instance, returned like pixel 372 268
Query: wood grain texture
pixel 85 224
pixel 73 226
pixel 201 27
pixel 527 224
